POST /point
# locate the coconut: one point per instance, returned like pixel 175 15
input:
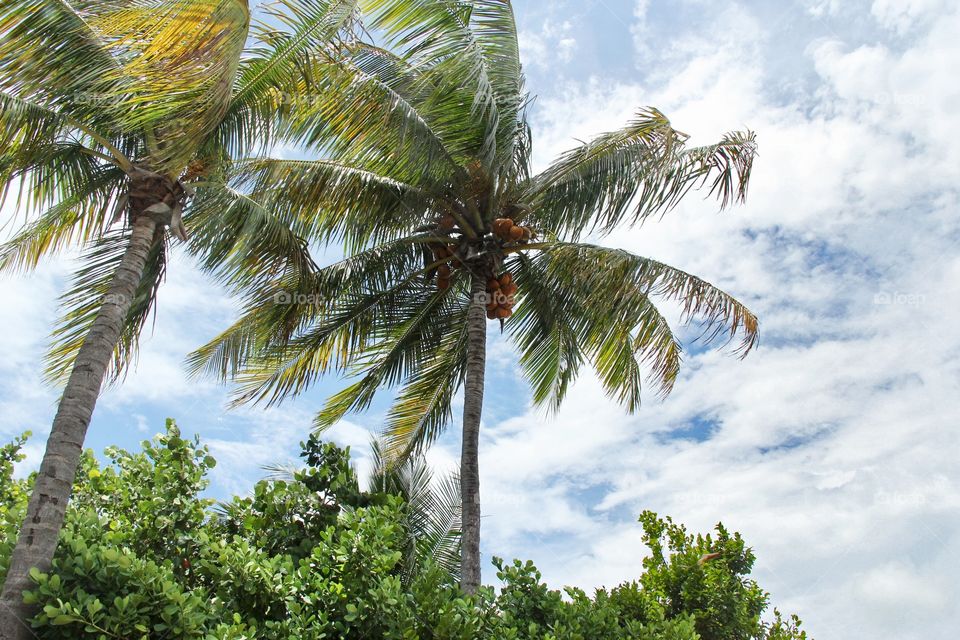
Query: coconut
pixel 505 278
pixel 443 271
pixel 447 222
pixel 443 283
pixel 492 305
pixel 527 234
pixel 502 226
pixel 509 289
pixel 491 315
pixel 516 233
pixel 493 285
pixel 503 313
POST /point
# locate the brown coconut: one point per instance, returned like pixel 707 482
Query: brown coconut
pixel 502 226
pixel 516 233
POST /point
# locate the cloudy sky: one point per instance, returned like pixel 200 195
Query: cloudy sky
pixel 833 448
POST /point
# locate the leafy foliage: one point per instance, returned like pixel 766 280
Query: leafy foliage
pixel 144 556
pixel 13 499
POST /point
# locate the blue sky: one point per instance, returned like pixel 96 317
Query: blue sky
pixel 833 447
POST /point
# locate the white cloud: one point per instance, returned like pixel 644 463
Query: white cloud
pixel 554 42
pixel 833 447
pixel 903 15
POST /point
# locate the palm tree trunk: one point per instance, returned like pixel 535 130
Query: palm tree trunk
pixel 48 501
pixel 469 454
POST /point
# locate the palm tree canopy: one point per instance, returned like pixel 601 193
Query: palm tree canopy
pixel 98 94
pixel 422 173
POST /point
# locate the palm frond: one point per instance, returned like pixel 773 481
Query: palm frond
pixel 634 173
pixel 184 55
pixel 83 300
pixel 271 72
pixel 242 243
pixel 469 56
pixel 432 513
pixel 341 305
pixel 51 53
pixel 82 198
pixel 423 407
pixel 588 302
pixel 550 352
pixel 401 351
pixel 28 129
pixel 323 200
pixel 369 108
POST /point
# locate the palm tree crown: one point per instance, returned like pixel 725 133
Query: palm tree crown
pixel 424 177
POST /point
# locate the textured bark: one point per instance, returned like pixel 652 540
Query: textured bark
pixel 469 454
pixel 48 502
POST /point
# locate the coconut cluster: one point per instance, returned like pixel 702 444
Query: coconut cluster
pixel 446 253
pixel 196 169
pixel 509 231
pixel 501 291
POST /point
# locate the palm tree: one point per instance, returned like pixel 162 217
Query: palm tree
pixel 424 177
pixel 431 510
pixel 112 115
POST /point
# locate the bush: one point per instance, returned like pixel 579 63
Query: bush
pixel 143 555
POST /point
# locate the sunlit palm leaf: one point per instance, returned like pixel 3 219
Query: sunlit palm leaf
pixel 83 300
pixel 437 37
pixel 184 54
pixel 82 198
pixel 423 407
pixel 270 77
pixel 52 54
pixel 631 174
pixel 323 200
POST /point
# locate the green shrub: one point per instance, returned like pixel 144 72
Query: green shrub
pixel 144 555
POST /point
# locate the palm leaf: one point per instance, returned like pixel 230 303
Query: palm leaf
pixel 589 302
pixel 82 200
pixel 184 54
pixel 271 73
pixel 642 169
pixel 52 54
pixel 323 200
pixel 83 300
pixel 422 409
